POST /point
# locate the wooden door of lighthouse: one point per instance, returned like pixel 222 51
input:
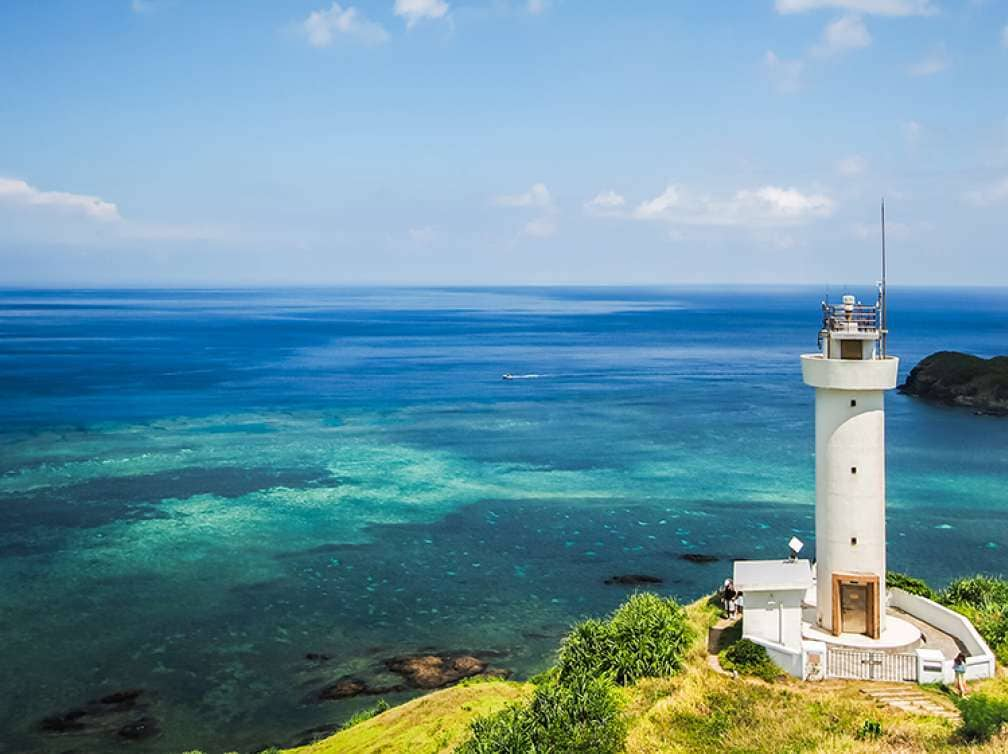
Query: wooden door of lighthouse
pixel 856 604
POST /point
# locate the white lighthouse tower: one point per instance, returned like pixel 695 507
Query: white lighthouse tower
pixel 850 376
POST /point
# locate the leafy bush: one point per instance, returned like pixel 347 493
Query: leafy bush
pixel 647 636
pixel 366 714
pixel 911 585
pixel 870 730
pixel 981 592
pixel 580 714
pixel 749 658
pixel 982 717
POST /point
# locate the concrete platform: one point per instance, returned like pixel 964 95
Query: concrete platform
pixel 898 634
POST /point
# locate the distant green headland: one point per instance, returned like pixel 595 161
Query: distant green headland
pixel 961 379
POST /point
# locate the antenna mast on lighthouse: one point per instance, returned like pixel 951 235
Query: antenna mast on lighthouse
pixel 885 327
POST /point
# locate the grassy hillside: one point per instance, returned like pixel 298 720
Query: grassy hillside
pixel 434 723
pixel 697 709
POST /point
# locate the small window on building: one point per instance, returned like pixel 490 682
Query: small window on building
pixel 851 349
pixel 853 540
pixel 853 402
pixel 853 469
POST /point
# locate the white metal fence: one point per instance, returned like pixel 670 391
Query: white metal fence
pixel 864 665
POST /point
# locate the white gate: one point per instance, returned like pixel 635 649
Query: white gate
pixel 864 665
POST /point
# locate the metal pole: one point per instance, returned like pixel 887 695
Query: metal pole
pixel 885 323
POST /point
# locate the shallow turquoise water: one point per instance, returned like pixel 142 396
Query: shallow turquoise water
pixel 199 488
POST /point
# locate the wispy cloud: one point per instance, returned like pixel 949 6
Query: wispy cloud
pixel 537 196
pixel 846 33
pixel 605 202
pixel 14 191
pixel 323 26
pixel 989 194
pixel 853 165
pixel 142 6
pixel 785 75
pixel 536 7
pixel 756 207
pixel 867 7
pixel 418 10
pixel 935 62
pixel 1004 36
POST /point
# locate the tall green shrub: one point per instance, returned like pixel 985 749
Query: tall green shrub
pixel 980 591
pixel 647 636
pixel 580 714
pixel 982 717
pixel 910 584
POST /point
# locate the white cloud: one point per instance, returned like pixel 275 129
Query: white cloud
pixel 417 10
pixel 763 206
pixel 605 202
pixel 141 6
pixel 322 26
pixel 846 33
pixel 541 227
pixel 19 193
pixel 536 7
pixel 991 194
pixel 867 7
pixel 659 206
pixel 537 196
pixel 1004 36
pixel 853 165
pixel 936 62
pixel 786 75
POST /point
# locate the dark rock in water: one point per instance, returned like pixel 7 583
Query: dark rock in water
pixel 317 657
pixel 129 696
pixel 108 714
pixel 69 721
pixel 633 579
pixel 438 671
pixel 139 730
pixel 344 688
pixel 699 557
pixel 960 379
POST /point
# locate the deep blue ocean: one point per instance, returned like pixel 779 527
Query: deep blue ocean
pixel 198 488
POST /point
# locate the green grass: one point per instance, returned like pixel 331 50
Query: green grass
pixel 749 658
pixel 433 724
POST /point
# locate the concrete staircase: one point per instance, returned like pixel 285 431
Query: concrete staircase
pixel 912 700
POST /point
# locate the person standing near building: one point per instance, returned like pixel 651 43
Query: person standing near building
pixel 959 668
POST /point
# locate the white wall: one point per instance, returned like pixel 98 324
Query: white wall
pixel 980 662
pixel 773 617
pixel 849 506
pixel 787 659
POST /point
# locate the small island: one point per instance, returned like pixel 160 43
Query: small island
pixel 960 379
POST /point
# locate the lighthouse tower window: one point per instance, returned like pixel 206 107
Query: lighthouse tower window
pixel 851 349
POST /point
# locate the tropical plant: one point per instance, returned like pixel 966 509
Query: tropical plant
pixel 580 714
pixel 982 717
pixel 646 636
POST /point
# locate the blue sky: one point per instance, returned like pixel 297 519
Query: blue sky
pixel 176 142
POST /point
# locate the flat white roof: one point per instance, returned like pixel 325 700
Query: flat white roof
pixel 772 575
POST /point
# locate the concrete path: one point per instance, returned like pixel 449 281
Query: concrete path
pixel 910 699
